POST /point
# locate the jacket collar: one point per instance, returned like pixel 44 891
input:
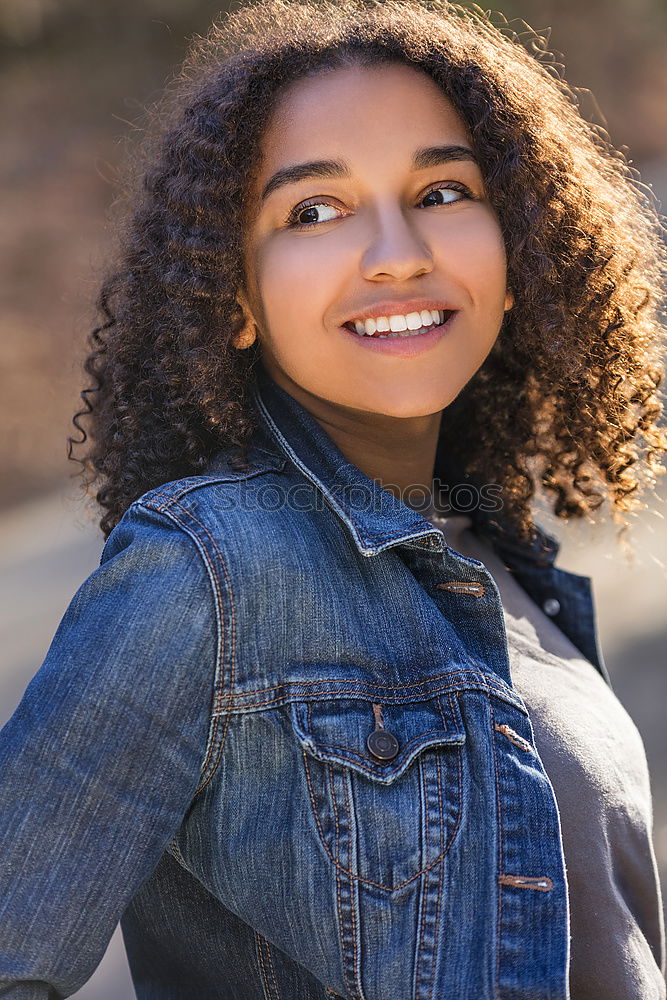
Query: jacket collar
pixel 375 518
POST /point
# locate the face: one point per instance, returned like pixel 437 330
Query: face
pixel 392 230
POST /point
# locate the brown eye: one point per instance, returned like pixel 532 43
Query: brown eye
pixel 309 207
pixel 451 189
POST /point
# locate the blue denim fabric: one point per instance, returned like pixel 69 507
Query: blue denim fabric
pixel 192 758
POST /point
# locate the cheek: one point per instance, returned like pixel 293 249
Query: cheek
pixel 296 285
pixel 472 250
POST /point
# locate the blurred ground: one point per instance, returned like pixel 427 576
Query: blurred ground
pixel 74 78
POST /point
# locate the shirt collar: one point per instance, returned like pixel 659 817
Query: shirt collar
pixel 376 518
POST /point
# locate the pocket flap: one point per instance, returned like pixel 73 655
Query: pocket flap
pixel 336 731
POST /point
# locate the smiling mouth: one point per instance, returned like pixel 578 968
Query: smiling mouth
pixel 392 334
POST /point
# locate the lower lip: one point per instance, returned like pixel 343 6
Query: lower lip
pixel 406 347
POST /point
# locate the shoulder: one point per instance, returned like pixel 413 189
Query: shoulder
pixel 210 517
pixel 220 477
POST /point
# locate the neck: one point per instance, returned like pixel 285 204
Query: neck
pixel 397 452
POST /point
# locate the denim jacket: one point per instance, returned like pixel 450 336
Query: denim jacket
pixel 276 736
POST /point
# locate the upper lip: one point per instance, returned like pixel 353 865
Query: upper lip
pixel 402 308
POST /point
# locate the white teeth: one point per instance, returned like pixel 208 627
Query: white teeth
pixel 412 323
pixel 397 324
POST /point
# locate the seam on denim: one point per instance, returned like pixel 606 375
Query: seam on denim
pixel 388 535
pixel 335 810
pixel 306 472
pixel 456 712
pixel 429 991
pixel 380 687
pixel 459 814
pixel 220 666
pixel 338 876
pixel 348 871
pixel 273 971
pixel 349 980
pixel 420 945
pixel 167 498
pixel 357 967
pixel 211 749
pixel 463 587
pixel 262 969
pixel 484 679
pixel 424 908
pixel 496 988
pixel 229 592
pixel 217 602
pixel 441 880
pixel 442 714
pixel 527 882
pixel 509 698
pixel 175 851
pixel 315 809
pixel 213 743
pixel 263 975
pixel 339 907
pixel 513 736
pixel 441 877
pixel 232 657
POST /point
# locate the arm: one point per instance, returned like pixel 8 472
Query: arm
pixel 103 755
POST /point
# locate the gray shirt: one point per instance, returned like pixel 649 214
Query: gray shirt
pixel 595 759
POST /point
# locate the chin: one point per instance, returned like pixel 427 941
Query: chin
pixel 404 405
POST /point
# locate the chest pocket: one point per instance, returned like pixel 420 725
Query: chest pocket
pixel 383 821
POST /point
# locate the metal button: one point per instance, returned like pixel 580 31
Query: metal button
pixel 382 744
pixel 551 606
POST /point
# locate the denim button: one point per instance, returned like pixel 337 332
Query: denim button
pixel 382 744
pixel 551 606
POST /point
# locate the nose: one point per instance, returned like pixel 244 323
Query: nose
pixel 395 248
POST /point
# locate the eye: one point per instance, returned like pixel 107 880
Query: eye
pixel 453 187
pixel 312 207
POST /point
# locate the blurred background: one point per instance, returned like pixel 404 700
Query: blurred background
pixel 74 78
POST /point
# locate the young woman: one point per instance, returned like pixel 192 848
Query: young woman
pixel 328 721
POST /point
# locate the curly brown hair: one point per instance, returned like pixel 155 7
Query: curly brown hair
pixel 568 395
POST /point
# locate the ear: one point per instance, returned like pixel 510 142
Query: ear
pixel 509 300
pixel 248 334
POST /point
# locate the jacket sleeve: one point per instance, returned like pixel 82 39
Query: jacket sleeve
pixel 103 755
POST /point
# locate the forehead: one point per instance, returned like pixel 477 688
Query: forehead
pixel 340 110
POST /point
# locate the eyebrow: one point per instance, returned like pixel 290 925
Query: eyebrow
pixel 428 156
